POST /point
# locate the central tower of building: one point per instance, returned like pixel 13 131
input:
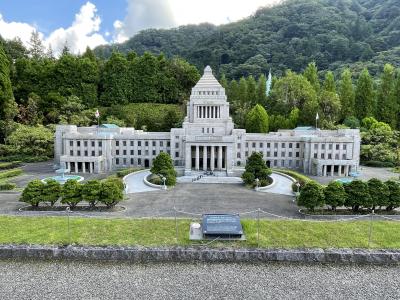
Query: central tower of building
pixel 208 127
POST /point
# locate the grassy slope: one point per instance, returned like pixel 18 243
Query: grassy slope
pixel 161 232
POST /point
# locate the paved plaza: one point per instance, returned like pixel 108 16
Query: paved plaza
pixel 89 280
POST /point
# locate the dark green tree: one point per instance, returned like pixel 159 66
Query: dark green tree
pixel 91 192
pixel 346 94
pixel 8 107
pixel 394 195
pixel 51 191
pixel 71 193
pixel 33 193
pixel 262 90
pixel 256 168
pixel 357 195
pixel 364 97
pixel 163 166
pixel 311 196
pixel 115 84
pixel 335 194
pixel 111 193
pixel 386 102
pixel 251 96
pixel 378 192
pixel 257 120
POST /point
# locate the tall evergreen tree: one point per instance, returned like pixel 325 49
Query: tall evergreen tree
pixel 262 90
pixel 311 74
pixel 223 81
pixel 251 95
pixel 364 98
pixel 233 91
pixel 346 93
pixel 8 107
pixel 37 49
pixel 386 102
pixel 396 95
pixel 257 120
pixel 329 83
pixel 242 91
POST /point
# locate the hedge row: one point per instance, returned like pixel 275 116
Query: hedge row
pixel 9 165
pixel 357 195
pixel 378 164
pixel 108 192
pixel 124 172
pixel 7 186
pixel 300 178
pixel 10 173
pixel 23 158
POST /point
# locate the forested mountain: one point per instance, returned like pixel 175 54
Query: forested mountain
pixel 333 33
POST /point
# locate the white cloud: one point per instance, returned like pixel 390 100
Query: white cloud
pixel 142 14
pixel 11 30
pixel 83 32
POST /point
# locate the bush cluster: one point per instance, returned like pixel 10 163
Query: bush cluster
pixel 10 173
pixel 23 158
pixel 357 195
pixel 108 192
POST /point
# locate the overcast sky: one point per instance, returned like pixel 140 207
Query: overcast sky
pixel 91 23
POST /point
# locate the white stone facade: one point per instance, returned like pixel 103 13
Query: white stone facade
pixel 208 141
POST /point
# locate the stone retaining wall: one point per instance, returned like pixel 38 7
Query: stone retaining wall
pixel 140 255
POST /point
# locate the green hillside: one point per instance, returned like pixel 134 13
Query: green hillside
pixel 334 33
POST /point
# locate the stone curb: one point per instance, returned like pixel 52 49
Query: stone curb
pixel 181 254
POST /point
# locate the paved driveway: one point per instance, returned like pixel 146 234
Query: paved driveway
pixel 283 185
pixel 135 184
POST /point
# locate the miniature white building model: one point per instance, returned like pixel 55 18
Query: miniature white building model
pixel 207 141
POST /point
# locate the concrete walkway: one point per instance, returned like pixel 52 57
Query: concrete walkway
pixel 282 186
pixel 135 183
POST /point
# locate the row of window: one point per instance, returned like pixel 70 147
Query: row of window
pixel 329 156
pixel 139 143
pixel 139 160
pixel 207 93
pixel 208 130
pixel 85 153
pixel 275 154
pixel 85 143
pixel 261 145
pixel 330 146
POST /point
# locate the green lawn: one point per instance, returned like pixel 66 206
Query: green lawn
pixel 161 232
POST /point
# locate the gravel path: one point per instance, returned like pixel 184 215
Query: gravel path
pixel 75 280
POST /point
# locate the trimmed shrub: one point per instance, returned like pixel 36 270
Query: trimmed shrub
pixel 124 172
pixel 9 165
pixel 91 192
pixel 7 186
pixel 378 192
pixel 335 195
pixel 71 193
pixel 311 196
pixel 51 191
pixel 357 195
pixel 10 173
pixel 163 166
pixel 302 179
pixel 394 195
pixel 378 164
pixel 32 194
pixel 24 158
pixel 111 193
pixel 248 178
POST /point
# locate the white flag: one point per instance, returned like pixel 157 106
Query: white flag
pixel 97 114
pixel 317 117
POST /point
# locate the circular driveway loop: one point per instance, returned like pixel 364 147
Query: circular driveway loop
pixel 135 183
